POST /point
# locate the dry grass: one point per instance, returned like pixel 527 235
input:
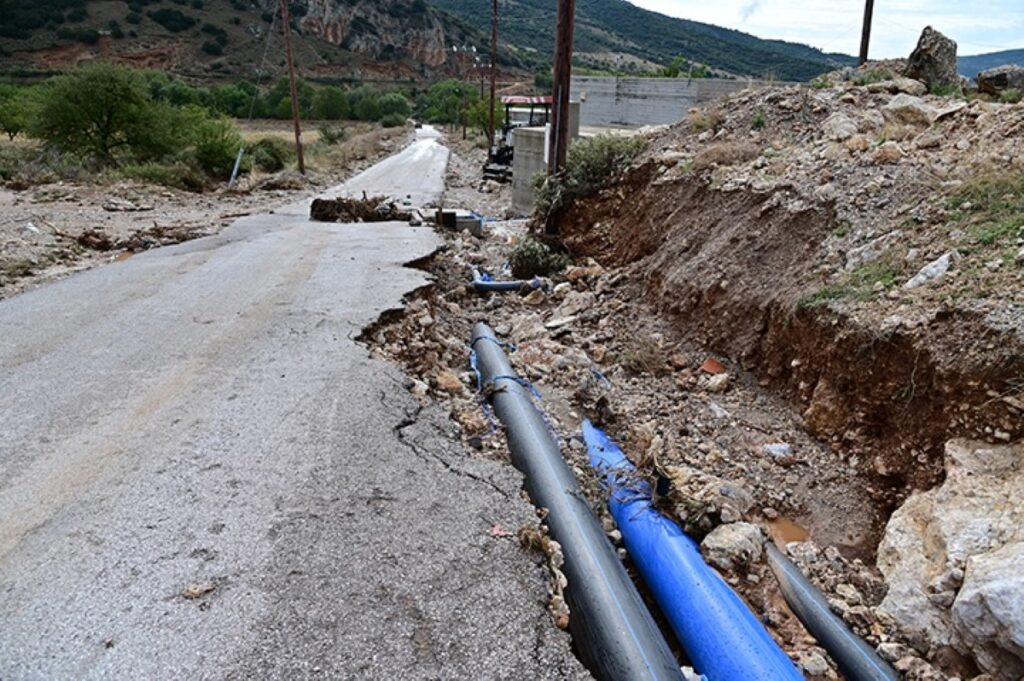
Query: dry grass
pixel 706 119
pixel 725 154
pixel 643 356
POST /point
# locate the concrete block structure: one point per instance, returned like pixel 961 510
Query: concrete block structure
pixel 636 102
pixel 529 159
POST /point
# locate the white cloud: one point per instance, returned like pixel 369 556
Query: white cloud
pixel 835 27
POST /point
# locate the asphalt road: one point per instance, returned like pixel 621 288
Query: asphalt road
pixel 203 474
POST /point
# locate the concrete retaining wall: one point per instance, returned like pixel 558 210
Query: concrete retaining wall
pixel 635 102
pixel 528 159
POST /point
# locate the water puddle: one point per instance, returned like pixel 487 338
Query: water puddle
pixel 784 530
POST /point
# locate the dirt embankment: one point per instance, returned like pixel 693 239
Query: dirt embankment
pixel 800 288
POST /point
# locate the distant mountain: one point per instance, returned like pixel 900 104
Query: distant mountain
pixel 397 40
pixel 972 65
pixel 616 32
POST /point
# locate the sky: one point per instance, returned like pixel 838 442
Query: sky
pixel 978 26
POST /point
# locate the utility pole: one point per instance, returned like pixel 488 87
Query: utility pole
pixel 865 36
pixel 562 76
pixel 291 82
pixel 494 74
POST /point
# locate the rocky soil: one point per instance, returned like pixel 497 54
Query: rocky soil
pixel 50 230
pixel 763 314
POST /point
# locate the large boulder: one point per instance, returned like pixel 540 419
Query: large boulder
pixel 934 61
pixel 988 614
pixel 910 109
pixel 943 555
pixel 1001 78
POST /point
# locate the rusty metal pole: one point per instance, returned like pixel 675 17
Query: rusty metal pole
pixel 865 36
pixel 494 75
pixel 562 77
pixel 291 82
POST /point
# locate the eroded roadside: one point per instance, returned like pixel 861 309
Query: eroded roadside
pixel 734 447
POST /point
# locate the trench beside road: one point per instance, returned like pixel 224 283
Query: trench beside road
pixel 204 475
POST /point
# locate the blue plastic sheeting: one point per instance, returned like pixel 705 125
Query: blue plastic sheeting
pixel 721 636
pixel 482 281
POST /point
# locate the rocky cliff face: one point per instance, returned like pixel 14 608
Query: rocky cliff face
pixel 378 29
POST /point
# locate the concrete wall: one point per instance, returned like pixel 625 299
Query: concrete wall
pixel 528 160
pixel 635 102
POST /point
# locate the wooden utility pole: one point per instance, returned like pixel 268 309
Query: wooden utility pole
pixel 562 76
pixel 865 36
pixel 292 86
pixel 494 74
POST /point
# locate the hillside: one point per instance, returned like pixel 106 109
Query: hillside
pixel 611 33
pixel 970 66
pixel 400 40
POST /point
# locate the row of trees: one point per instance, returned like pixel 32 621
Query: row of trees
pixel 110 116
pixel 244 100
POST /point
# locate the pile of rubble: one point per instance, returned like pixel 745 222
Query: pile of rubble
pixel 358 209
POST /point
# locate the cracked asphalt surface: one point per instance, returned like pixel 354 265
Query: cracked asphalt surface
pixel 204 475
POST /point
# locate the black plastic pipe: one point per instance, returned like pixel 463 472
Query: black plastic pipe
pixel 854 657
pixel 615 634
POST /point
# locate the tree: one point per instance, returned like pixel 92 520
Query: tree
pixel 330 104
pixel 98 111
pixel 395 103
pixel 368 108
pixel 449 101
pixel 479 115
pixel 14 110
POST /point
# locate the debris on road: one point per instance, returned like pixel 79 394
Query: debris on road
pixel 364 209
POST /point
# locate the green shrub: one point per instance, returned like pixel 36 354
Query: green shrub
pixel 271 154
pixel 332 134
pixel 216 145
pixel 531 258
pixel 330 104
pixel 759 121
pixel 177 175
pixel 367 108
pixel 1011 96
pixel 394 103
pixel 88 36
pixel 14 110
pixel 941 90
pixel 26 166
pixel 213 47
pixel 173 20
pixel 591 164
pixel 872 76
pixel 393 120
pixel 821 83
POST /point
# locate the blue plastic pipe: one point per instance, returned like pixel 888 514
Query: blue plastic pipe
pixel 485 282
pixel 721 636
pixel 615 634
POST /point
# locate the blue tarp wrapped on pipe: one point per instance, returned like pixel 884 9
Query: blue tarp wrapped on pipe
pixel 721 636
pixel 486 282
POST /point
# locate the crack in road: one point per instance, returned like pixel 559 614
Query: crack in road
pixel 427 455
